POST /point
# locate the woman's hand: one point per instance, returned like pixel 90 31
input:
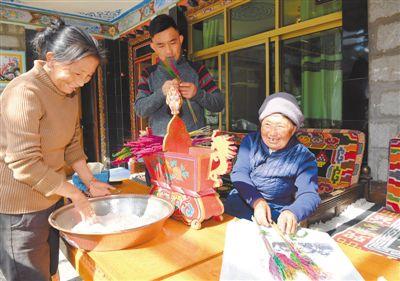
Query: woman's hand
pixel 81 203
pixel 98 188
pixel 287 222
pixel 262 212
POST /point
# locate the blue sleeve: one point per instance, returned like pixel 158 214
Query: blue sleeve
pixel 307 198
pixel 240 175
pixel 148 100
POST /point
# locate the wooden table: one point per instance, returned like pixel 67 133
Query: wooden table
pixel 175 250
pixel 372 266
pixel 182 253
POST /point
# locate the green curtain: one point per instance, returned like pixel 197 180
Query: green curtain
pixel 210 33
pixel 322 77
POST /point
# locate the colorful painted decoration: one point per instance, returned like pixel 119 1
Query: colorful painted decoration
pixel 338 153
pixel 252 252
pixel 393 183
pixel 169 65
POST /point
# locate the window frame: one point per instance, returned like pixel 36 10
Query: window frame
pixel 274 36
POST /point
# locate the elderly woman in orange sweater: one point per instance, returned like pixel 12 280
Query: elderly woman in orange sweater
pixel 39 133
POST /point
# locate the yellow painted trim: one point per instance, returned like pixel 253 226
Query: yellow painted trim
pixel 322 23
pixel 267 82
pixel 233 46
pixel 208 56
pixel 277 14
pixel 227 26
pixel 226 92
pixel 220 87
pixel 306 27
pixel 310 23
pixel 206 16
pixel 273 39
pixel 213 10
pixel 314 29
pixel 190 38
pixel 277 67
pixel 209 15
pixel 237 4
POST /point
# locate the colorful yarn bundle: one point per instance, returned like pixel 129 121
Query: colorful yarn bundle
pixel 283 267
pixel 150 143
pixel 302 261
pixel 137 149
pixel 170 67
pixel 280 266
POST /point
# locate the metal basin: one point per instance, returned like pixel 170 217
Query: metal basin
pixel 146 206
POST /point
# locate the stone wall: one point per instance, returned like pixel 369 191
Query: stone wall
pixel 384 82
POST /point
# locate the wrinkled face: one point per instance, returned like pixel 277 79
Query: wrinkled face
pixel 68 77
pixel 167 44
pixel 276 131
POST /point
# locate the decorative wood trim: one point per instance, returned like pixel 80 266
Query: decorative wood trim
pixel 212 9
pixel 102 117
pixel 131 88
pixel 96 128
pixel 140 39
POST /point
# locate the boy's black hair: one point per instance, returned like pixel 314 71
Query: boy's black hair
pixel 161 23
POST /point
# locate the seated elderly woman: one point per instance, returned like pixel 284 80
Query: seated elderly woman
pixel 275 176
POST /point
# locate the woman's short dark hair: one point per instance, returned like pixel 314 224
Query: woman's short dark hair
pixel 68 43
pixel 161 23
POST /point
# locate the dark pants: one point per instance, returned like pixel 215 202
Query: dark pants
pixel 235 206
pixel 29 246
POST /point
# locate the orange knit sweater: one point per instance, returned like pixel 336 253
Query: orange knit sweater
pixel 39 133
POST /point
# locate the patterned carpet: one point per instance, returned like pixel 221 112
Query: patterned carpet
pixel 352 215
pixel 379 232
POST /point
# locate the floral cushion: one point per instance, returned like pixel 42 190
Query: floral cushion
pixel 339 155
pixel 393 183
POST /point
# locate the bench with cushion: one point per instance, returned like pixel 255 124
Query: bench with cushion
pixel 339 154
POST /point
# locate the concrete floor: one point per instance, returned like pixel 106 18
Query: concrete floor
pixel 67 272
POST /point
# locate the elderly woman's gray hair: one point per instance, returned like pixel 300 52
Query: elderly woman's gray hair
pixel 68 43
pixel 283 103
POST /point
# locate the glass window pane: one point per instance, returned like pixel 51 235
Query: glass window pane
pixel 251 18
pixel 208 33
pixel 212 118
pixel 311 70
pixel 300 10
pixel 223 90
pixel 246 87
pixel 271 68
